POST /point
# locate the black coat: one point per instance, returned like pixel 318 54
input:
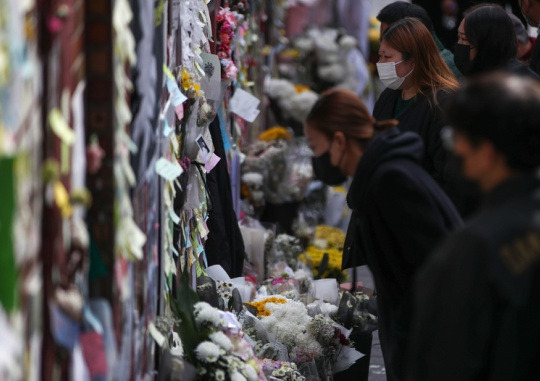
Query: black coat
pixel 426 119
pixel 399 214
pixel 225 245
pixel 477 308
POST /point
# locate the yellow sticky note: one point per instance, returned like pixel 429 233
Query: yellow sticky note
pixel 167 72
pixel 61 197
pixel 60 127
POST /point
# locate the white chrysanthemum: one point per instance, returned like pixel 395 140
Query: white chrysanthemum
pixel 279 89
pixel 300 105
pixel 252 178
pixel 206 314
pixel 332 73
pixel 207 352
pixel 250 373
pixel 347 42
pixel 237 377
pixel 222 340
pixel 220 375
pixel 304 44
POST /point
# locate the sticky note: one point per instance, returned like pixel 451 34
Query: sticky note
pixel 168 170
pixel 212 162
pixel 167 129
pixel 60 127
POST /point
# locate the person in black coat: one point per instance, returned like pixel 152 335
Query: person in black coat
pixel 399 213
pixel 416 89
pixel 487 42
pixel 477 306
pixel 531 11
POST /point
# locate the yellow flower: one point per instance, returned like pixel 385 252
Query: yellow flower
pixel 261 305
pixel 301 88
pixel 275 133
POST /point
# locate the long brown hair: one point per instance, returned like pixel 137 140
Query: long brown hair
pixel 412 39
pixel 341 110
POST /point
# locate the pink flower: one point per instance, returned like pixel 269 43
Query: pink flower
pixel 222 55
pixel 231 71
pixel 225 38
pixel 226 27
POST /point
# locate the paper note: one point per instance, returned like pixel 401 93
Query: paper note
pixel 173 215
pixel 158 336
pixel 177 98
pixel 166 128
pixel 94 353
pixel 64 329
pixel 212 162
pixel 168 170
pixel 244 105
pixel 60 127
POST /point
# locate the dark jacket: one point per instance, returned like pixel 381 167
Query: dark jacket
pixel 477 308
pixel 424 119
pixel 427 120
pixel 224 245
pixel 399 214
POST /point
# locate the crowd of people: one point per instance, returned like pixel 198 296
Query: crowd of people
pixel 445 192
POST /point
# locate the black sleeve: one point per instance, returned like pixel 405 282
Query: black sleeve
pixel 407 206
pixel 452 313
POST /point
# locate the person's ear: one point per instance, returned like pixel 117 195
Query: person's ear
pixel 340 140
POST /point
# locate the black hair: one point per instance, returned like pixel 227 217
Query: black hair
pixel 490 30
pixel 503 109
pixel 400 9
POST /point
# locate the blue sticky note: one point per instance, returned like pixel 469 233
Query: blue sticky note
pixel 166 128
pixel 65 330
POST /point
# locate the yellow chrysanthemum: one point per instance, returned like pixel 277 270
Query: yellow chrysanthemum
pixel 275 133
pixel 261 305
pixel 301 88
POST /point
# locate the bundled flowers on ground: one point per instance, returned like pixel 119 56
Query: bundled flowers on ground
pixel 281 370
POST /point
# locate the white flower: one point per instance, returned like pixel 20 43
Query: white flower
pixel 222 340
pixel 207 352
pixel 347 42
pixel 332 73
pixel 250 373
pixel 279 88
pixel 300 105
pixel 220 375
pixel 237 377
pixel 252 178
pixel 205 313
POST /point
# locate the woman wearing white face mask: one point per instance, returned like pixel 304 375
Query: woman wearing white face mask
pixel 416 79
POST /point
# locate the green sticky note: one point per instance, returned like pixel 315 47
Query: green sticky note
pixel 8 193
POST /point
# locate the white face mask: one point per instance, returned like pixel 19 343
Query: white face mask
pixel 388 75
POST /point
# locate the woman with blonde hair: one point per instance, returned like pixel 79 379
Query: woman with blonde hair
pixel 417 81
pixel 399 213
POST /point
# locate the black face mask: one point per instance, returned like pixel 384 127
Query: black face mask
pixel 325 171
pixel 462 58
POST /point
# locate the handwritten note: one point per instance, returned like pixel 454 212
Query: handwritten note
pixel 244 105
pixel 168 170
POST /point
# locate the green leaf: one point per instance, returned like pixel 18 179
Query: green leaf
pixel 182 307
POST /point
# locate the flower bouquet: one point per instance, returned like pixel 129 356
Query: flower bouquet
pixel 212 340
